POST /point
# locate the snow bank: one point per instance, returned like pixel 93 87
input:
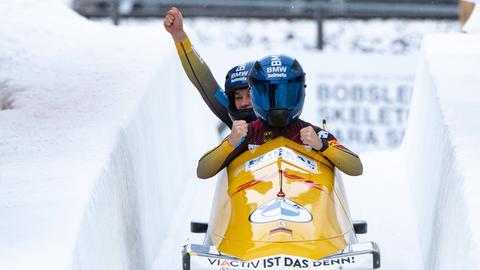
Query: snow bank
pixel 441 146
pixel 90 143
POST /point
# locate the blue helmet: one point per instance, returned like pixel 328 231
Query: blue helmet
pixel 237 78
pixel 277 85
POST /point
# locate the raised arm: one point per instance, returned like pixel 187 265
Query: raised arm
pixel 196 69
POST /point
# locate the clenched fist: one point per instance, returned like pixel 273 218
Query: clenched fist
pixel 173 23
pixel 310 137
pixel 239 130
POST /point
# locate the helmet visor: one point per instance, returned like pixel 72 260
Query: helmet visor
pixel 281 95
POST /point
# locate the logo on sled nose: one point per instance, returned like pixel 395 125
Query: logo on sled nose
pixel 280 209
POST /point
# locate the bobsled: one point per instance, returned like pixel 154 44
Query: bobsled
pixel 280 206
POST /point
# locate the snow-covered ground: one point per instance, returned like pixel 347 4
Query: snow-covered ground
pixel 100 132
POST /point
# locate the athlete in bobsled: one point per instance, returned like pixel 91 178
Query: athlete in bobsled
pixel 280 205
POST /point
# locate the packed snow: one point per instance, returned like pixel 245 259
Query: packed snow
pixel 100 132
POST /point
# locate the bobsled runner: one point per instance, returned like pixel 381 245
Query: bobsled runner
pixel 280 207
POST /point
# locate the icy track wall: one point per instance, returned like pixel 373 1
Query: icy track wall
pixel 123 224
pixel 440 145
pixel 135 197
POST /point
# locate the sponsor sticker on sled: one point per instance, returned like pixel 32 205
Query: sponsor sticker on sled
pixel 284 153
pixel 281 262
pixel 280 209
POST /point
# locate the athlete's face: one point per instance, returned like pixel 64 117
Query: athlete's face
pixel 242 99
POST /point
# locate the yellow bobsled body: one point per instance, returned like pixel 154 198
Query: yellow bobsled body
pixel 280 198
pixel 280 206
